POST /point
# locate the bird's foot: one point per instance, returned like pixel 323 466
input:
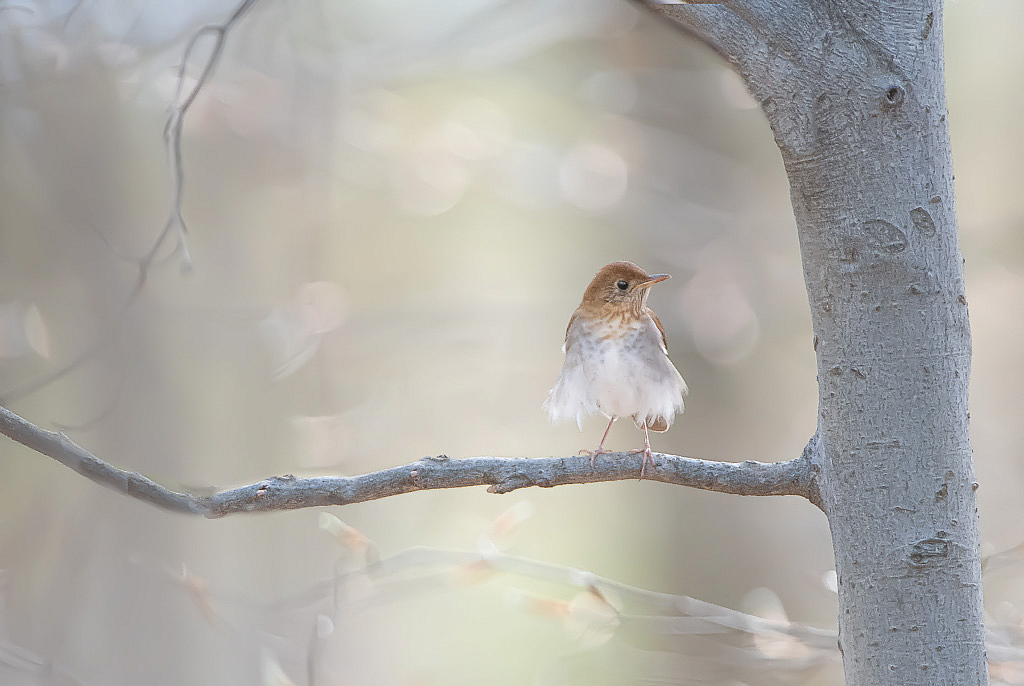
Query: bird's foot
pixel 648 455
pixel 594 453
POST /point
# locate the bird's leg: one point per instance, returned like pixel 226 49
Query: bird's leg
pixel 600 447
pixel 646 450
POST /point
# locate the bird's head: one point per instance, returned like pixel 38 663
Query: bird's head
pixel 621 283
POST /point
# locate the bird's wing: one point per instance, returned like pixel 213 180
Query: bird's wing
pixel 661 329
pixel 571 320
pixel 565 343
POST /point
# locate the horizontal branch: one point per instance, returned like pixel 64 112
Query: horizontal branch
pixel 500 474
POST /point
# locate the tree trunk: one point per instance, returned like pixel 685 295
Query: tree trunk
pixel 855 95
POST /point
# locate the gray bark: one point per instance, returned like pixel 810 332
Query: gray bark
pixel 855 94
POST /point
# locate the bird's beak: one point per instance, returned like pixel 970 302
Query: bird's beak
pixel 653 279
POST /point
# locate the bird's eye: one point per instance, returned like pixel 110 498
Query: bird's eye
pixel 623 285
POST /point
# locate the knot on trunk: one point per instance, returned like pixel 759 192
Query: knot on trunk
pixel 929 550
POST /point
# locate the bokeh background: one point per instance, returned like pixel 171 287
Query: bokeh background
pixel 393 209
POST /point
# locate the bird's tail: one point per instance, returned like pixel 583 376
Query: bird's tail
pixel 653 423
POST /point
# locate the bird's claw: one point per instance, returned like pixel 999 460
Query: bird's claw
pixel 593 454
pixel 648 455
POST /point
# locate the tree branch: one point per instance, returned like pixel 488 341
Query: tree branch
pixel 500 474
pixel 740 29
pixel 754 36
pixel 713 23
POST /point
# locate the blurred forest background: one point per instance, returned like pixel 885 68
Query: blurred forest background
pixel 393 210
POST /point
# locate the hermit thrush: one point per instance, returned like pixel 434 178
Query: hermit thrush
pixel 616 359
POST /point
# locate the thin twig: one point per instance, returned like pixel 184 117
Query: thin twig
pixel 175 221
pixel 500 474
pixel 183 100
pixel 16 657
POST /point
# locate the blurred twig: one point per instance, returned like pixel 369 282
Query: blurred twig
pixel 715 643
pixel 724 643
pixel 21 659
pixel 185 95
pixel 501 474
pixel 727 642
pixel 183 99
pixel 719 643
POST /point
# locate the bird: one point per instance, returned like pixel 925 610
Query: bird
pixel 616 359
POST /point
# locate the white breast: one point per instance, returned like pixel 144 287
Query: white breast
pixel 620 376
